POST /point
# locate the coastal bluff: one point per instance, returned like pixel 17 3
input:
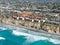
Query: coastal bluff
pixel 31 23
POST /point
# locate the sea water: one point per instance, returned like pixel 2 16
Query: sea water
pixel 11 35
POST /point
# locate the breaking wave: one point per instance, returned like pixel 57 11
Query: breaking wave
pixel 2 28
pixel 33 38
pixel 20 36
pixel 2 38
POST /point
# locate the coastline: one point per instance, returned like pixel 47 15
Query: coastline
pixel 34 30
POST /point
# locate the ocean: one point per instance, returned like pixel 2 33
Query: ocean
pixel 11 35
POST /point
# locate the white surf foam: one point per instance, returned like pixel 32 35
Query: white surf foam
pixel 55 41
pixel 32 38
pixel 2 28
pixel 29 36
pixel 2 38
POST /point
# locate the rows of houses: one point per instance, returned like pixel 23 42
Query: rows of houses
pixel 32 19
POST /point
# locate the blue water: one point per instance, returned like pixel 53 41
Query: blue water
pixel 10 35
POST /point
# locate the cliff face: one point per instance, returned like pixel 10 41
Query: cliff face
pixel 14 18
pixel 46 27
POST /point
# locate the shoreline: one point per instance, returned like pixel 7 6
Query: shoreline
pixel 32 29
